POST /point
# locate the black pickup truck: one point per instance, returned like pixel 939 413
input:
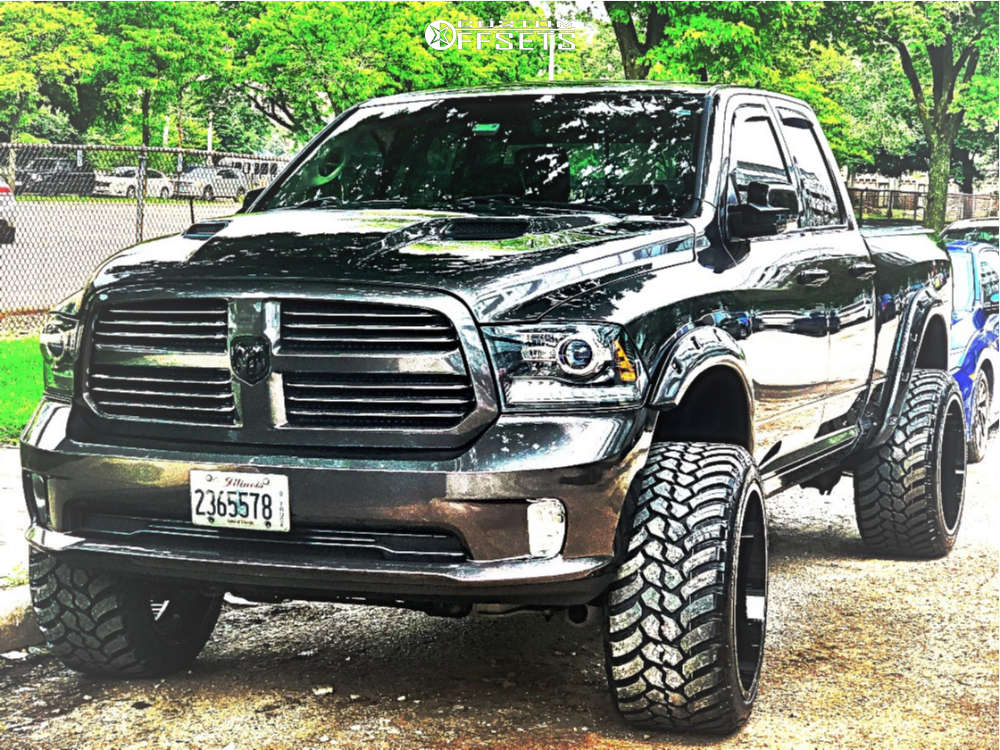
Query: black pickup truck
pixel 518 348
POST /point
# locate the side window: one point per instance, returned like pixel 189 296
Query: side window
pixel 754 155
pixel 755 158
pixel 822 207
pixel 227 174
pixel 989 279
pixel 964 289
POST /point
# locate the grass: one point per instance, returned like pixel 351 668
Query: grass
pixel 16 577
pixel 20 385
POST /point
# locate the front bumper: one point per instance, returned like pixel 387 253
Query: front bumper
pixel 480 497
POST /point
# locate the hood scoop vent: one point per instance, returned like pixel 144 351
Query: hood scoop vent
pixel 202 230
pixel 484 229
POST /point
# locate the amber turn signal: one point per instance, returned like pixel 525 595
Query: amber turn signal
pixel 626 370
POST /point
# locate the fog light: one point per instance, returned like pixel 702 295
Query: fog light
pixel 546 527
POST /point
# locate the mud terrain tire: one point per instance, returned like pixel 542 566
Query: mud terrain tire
pixel 104 625
pixel 682 648
pixel 909 492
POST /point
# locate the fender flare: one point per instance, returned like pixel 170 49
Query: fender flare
pixel 693 353
pixel 920 311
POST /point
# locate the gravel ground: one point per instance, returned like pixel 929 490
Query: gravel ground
pixel 861 653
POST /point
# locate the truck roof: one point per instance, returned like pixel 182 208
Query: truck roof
pixel 570 87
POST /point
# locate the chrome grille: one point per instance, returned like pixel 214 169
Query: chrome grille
pixel 377 400
pixel 181 325
pixel 369 367
pixel 337 327
pixel 191 395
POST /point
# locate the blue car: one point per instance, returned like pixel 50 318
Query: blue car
pixel 974 355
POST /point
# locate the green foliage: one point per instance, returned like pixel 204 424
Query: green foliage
pixel 41 45
pixel 157 53
pixel 20 385
pixel 302 63
pixel 116 72
pixel 948 54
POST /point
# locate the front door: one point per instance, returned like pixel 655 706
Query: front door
pixel 849 293
pixel 782 283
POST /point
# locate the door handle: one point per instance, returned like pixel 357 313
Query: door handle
pixel 862 270
pixel 813 277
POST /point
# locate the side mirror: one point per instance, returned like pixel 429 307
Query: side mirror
pixel 992 306
pixel 248 198
pixel 766 213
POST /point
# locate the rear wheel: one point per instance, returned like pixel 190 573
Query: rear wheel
pixel 208 194
pixel 164 193
pixel 686 616
pixel 102 624
pixel 979 430
pixel 130 192
pixel 909 492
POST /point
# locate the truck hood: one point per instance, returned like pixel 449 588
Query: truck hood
pixel 502 267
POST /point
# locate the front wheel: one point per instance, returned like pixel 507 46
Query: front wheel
pixel 208 194
pixel 101 624
pixel 686 616
pixel 979 430
pixel 130 192
pixel 164 193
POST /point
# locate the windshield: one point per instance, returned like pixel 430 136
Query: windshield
pixel 982 233
pixel 632 152
pixel 124 172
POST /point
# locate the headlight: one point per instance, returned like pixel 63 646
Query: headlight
pixel 60 342
pixel 547 366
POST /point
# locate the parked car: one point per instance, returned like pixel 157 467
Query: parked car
pixel 7 231
pixel 974 337
pixel 209 183
pixel 973 230
pixel 475 353
pixel 124 181
pixel 259 172
pixel 55 176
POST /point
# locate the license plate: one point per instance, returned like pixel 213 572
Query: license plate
pixel 238 500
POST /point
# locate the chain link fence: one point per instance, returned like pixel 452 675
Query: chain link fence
pixel 909 205
pixel 65 208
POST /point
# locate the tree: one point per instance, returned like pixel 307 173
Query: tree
pixel 746 43
pixel 158 52
pixel 302 63
pixel 721 40
pixel 42 45
pixel 948 53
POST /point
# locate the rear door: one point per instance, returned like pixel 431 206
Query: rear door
pixel 849 294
